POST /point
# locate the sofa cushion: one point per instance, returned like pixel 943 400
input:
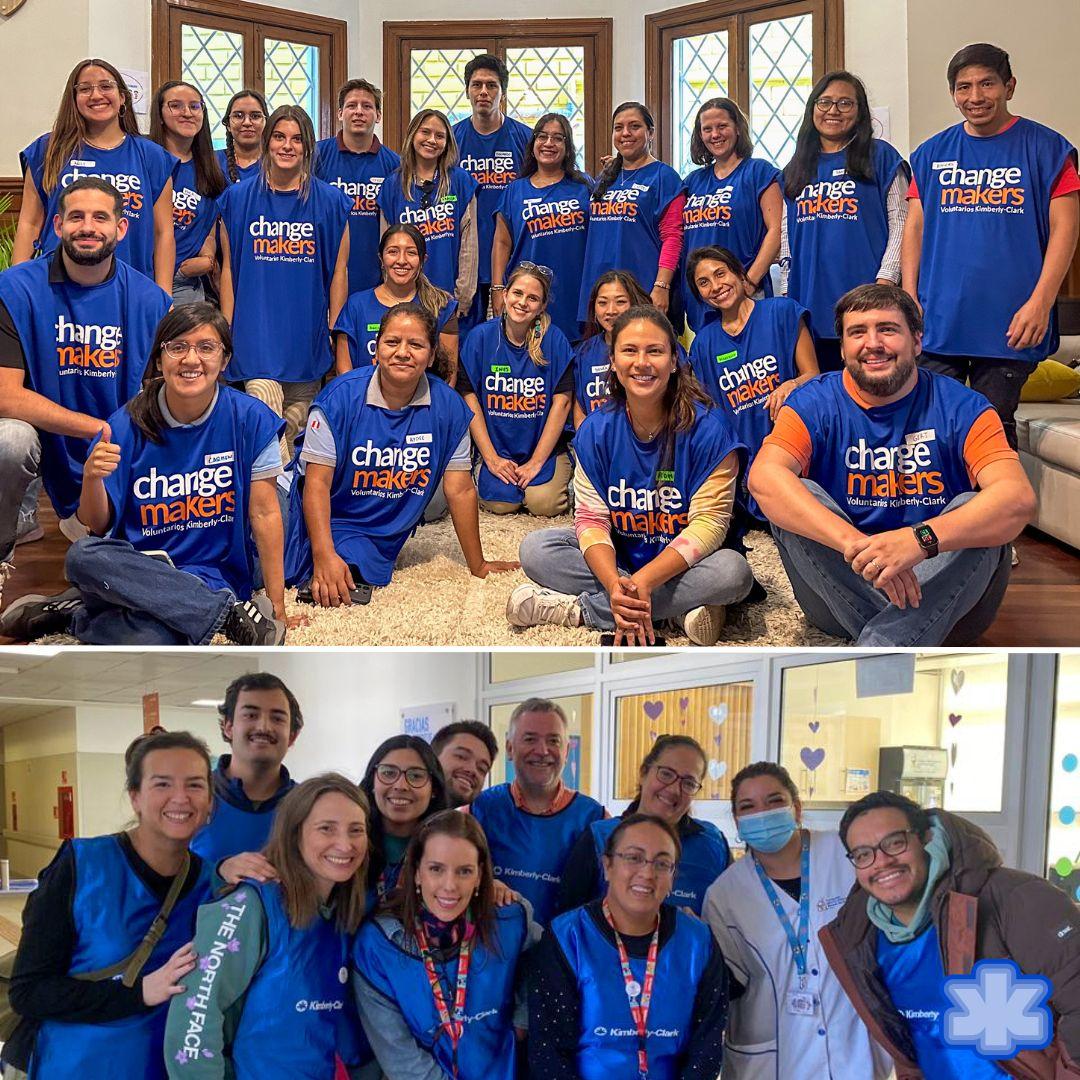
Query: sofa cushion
pixel 1051 381
pixel 1051 431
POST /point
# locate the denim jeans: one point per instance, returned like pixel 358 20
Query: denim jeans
pixel 187 290
pixel 20 463
pixel 840 602
pixel 553 559
pixel 130 598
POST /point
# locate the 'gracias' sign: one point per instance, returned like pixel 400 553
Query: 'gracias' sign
pixel 425 720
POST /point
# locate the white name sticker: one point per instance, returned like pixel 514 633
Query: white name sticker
pixel 219 459
pixel 914 437
pixel 599 369
pixel 839 172
pixel 82 164
pixel 943 165
pixel 421 437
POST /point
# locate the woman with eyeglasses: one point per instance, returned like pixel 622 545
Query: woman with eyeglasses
pixel 517 376
pixel 244 121
pixel 670 775
pixel 845 202
pixel 791 1016
pixel 178 123
pixel 402 254
pixel 629 985
pixel 733 201
pixel 544 218
pixel 95 133
pixel 636 212
pixel 428 190
pixel 178 493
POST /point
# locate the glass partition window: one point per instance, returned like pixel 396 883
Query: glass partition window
pixel 1063 841
pixel 935 731
pixel 510 666
pixel 292 75
pixel 437 81
pixel 781 77
pixel 699 71
pixel 213 60
pixel 544 80
pixel 717 716
pixel 578 771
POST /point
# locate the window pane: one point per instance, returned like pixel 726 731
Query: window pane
pixel 942 742
pixel 292 76
pixel 781 77
pixel 699 71
pixel 578 771
pixel 548 80
pixel 626 656
pixel 506 667
pixel 717 716
pixel 212 60
pixel 1063 842
pixel 437 81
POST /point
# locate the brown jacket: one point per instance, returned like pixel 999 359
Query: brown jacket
pixel 981 910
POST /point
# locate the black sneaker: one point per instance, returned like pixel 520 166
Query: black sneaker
pixel 252 622
pixel 35 616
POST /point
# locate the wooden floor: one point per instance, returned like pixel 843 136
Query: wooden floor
pixel 1041 607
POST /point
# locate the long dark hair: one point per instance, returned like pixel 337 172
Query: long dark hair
pixel 209 179
pixel 859 153
pixel 570 162
pixel 656 752
pixel 159 739
pixel 716 254
pixel 144 408
pixel 231 167
pixel 440 365
pixel 431 297
pixel 439 801
pixel 614 166
pixel 700 154
pixel 638 296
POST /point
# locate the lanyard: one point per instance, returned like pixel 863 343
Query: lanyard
pixel 798 942
pixel 452 1026
pixel 640 998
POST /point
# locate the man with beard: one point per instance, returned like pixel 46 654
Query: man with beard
pixel 466 750
pixel 892 491
pixel 75 333
pixel 260 719
pixel 533 823
pixel 932 899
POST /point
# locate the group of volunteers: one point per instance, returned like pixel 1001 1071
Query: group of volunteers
pixel 278 383
pixel 425 926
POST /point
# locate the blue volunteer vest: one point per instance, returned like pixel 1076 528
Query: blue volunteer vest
pixel 243 172
pixel 892 465
pixel 624 227
pixel 194 214
pixel 914 977
pixel 138 168
pixel 494 162
pixel 230 831
pixel 529 851
pixel 548 226
pixel 189 494
pixel 439 223
pixel 113 910
pixel 487 1047
pixel 85 348
pixel 741 370
pixel 515 397
pixel 360 319
pixel 648 510
pixel 295 1007
pixel 360 177
pixel 283 249
pixel 724 213
pixel 837 230
pixel 389 463
pixel 608 1042
pixel 592 362
pixel 705 856
pixel 983 198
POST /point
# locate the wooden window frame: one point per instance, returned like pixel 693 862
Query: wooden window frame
pixel 496 36
pixel 735 16
pixel 251 21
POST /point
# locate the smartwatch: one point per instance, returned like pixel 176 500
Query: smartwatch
pixel 927 539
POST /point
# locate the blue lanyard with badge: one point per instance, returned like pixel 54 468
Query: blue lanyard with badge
pixel 800 1002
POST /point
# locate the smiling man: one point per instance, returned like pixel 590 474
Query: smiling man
pixel 892 492
pixel 466 751
pixel 533 822
pixel 932 898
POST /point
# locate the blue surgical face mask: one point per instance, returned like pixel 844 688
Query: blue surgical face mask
pixel 769 830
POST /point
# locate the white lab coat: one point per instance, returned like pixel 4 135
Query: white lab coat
pixel 764 1040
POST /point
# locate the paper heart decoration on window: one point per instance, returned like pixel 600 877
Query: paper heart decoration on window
pixel 956 677
pixel 684 703
pixel 812 758
pixel 718 713
pixel 954 719
pixel 814 725
pixel 718 739
pixel 653 709
pixel 717 769
pixel 652 735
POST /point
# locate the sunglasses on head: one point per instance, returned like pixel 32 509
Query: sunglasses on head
pixel 535 268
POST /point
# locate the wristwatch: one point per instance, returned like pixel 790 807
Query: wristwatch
pixel 927 539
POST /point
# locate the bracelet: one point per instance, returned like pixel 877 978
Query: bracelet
pixel 498 288
pixel 661 285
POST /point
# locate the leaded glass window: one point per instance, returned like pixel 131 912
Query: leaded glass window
pixel 213 60
pixel 781 77
pixel 292 75
pixel 544 80
pixel 699 71
pixel 437 81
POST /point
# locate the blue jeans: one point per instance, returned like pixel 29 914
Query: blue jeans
pixel 840 602
pixel 187 290
pixel 132 599
pixel 553 559
pixel 20 464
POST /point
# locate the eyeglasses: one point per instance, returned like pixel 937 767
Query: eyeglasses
pixel 106 86
pixel 415 775
pixel 551 136
pixel 841 105
pixel 893 844
pixel 204 350
pixel 662 864
pixel 179 106
pixel 691 785
pixel 535 268
pixel 254 116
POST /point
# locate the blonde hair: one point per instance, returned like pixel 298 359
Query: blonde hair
pixel 534 340
pixel 447 159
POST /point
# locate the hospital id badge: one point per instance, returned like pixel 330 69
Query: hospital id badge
pixel 800 1003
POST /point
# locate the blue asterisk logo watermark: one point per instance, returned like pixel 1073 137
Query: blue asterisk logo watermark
pixel 998 1010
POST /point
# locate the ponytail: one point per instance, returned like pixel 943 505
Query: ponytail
pixel 614 166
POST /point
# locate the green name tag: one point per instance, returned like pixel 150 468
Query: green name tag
pixel 501 369
pixel 448 198
pixel 665 476
pixel 373 327
pixel 723 358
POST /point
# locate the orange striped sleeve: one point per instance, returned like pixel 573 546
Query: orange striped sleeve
pixel 986 443
pixel 791 434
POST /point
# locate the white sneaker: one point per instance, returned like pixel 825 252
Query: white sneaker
pixel 702 625
pixel 530 605
pixel 72 528
pixel 1015 557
